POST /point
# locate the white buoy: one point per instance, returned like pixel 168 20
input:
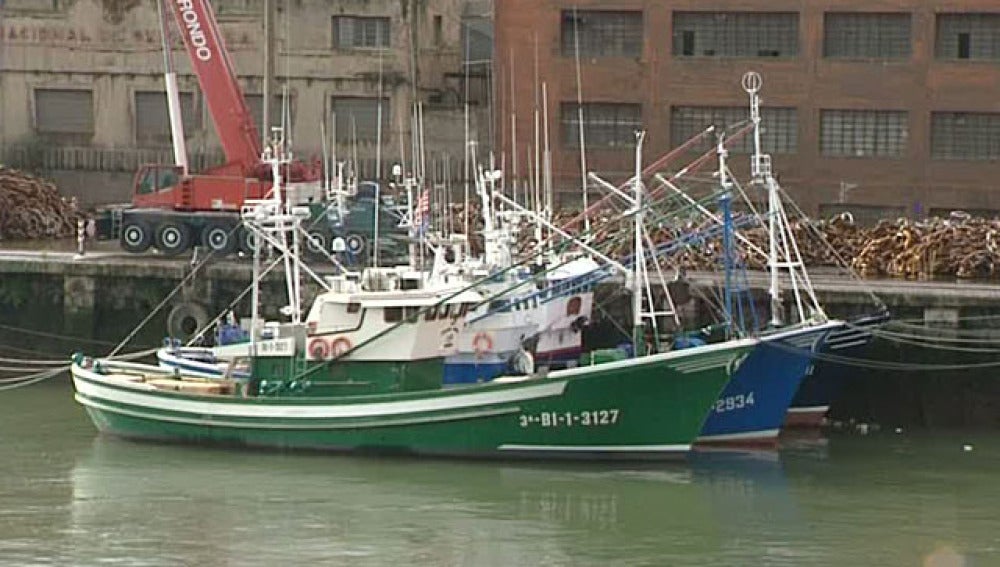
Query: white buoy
pixel 967 448
pixel 899 430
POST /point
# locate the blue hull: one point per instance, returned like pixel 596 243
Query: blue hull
pixel 752 407
pixel 826 381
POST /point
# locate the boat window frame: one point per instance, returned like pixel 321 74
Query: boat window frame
pixel 397 311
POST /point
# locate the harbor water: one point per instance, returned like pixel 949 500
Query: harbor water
pixel 69 496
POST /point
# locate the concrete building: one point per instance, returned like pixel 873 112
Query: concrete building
pixel 81 85
pixel 883 108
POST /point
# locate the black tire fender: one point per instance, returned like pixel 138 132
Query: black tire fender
pixel 186 319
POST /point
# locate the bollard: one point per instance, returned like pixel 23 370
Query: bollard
pixel 81 235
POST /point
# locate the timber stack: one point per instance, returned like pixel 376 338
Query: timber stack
pixel 31 207
pixel 959 245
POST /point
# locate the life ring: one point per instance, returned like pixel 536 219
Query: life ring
pixel 186 319
pixel 482 343
pixel 339 346
pixel 319 349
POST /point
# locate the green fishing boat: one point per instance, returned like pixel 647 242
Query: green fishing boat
pixel 372 382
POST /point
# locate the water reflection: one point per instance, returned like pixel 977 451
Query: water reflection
pixel 195 506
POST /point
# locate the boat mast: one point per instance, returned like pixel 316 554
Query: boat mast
pixel 727 231
pixel 579 122
pixel 759 171
pixel 639 262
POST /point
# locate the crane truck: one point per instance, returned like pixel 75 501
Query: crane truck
pixel 173 210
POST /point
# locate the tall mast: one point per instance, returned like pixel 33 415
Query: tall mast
pixel 579 121
pixel 639 262
pixel 727 231
pixel 759 170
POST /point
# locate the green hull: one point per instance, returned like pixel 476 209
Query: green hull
pixel 648 408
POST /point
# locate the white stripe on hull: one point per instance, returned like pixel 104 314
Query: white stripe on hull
pixel 763 434
pixel 294 426
pixel 595 448
pixel 809 409
pixel 264 411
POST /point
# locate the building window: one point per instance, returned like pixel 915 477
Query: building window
pixel 602 34
pixel 779 127
pixel 863 133
pixel 66 115
pixel 968 36
pixel 965 135
pixel 866 36
pixel 355 32
pixel 255 103
pixel 606 125
pixel 357 118
pixel 736 34
pixel 438 30
pixel 152 117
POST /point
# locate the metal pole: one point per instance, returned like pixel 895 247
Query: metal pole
pixel 265 127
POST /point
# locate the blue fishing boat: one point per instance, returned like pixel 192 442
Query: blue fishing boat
pixel 755 401
pixel 824 383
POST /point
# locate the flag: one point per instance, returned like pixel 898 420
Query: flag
pixel 421 213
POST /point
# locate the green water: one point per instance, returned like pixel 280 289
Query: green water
pixel 71 497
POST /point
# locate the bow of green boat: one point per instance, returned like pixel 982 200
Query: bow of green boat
pixel 642 408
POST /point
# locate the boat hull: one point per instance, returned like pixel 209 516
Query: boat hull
pixel 648 408
pixel 824 382
pixel 752 407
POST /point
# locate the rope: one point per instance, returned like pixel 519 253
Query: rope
pixel 28 362
pixel 34 379
pixel 23 331
pixel 162 303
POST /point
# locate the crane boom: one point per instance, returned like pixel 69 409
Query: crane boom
pixel 211 63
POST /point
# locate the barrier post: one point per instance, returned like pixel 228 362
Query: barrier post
pixel 81 236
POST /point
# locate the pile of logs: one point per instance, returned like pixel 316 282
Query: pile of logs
pixel 957 246
pixel 31 207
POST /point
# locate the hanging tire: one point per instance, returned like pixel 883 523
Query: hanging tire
pixel 220 238
pixel 247 240
pixel 356 244
pixel 136 236
pixel 185 320
pixel 317 242
pixel 173 237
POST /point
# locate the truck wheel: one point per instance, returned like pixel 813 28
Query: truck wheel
pixel 173 237
pixel 136 236
pixel 317 242
pixel 355 243
pixel 220 238
pixel 248 240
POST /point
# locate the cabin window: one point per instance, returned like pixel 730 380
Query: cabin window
pixel 393 314
pixel 446 311
pixel 411 314
pixel 431 313
pixel 353 307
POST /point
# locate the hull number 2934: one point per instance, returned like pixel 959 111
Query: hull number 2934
pixel 732 403
pixel 592 418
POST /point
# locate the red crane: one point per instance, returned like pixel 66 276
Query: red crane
pixel 173 210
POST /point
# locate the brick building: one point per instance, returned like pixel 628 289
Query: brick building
pixel 884 108
pixel 82 95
